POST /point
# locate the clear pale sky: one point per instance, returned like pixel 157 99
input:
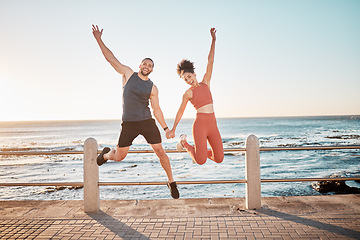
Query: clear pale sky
pixel 272 58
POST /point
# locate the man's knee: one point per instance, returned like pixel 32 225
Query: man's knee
pixel 120 153
pixel 158 149
pixel 119 158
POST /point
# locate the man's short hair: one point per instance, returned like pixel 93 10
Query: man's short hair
pixel 150 60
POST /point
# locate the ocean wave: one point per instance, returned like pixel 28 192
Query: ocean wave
pixel 18 132
pixel 58 188
pixel 43 149
pixel 344 137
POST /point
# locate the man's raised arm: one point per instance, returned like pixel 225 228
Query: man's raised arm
pixel 109 56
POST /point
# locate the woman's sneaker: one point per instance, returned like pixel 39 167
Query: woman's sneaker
pixel 179 145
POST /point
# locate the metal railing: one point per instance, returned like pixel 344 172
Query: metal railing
pixel 252 171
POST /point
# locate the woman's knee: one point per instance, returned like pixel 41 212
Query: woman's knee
pixel 200 159
pixel 218 153
pixel 219 159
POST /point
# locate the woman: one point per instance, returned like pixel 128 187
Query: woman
pixel 204 127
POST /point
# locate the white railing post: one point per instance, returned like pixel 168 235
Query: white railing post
pixel 91 177
pixel 252 173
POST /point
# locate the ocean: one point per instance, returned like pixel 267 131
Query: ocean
pixel 272 132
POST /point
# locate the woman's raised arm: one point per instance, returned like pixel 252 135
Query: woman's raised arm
pixel 211 57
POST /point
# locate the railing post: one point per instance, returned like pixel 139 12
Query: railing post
pixel 252 173
pixel 91 177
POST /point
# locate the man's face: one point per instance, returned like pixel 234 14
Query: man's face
pixel 146 67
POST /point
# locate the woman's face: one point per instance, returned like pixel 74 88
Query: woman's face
pixel 190 78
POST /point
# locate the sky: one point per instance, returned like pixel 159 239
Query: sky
pixel 272 58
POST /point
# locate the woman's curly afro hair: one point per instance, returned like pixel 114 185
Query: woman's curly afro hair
pixel 185 66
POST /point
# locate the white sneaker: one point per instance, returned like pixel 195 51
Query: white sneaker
pixel 179 145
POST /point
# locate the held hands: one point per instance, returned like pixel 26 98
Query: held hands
pixel 212 32
pixel 95 29
pixel 170 134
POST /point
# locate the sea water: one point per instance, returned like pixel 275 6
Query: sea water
pixel 272 132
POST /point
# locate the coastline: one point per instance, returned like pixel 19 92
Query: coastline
pixel 274 165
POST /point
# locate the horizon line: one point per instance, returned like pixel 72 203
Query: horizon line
pixel 119 119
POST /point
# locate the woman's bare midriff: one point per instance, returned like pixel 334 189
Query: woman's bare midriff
pixel 209 108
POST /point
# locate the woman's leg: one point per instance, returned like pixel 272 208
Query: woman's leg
pixel 214 138
pixel 198 152
pixel 215 141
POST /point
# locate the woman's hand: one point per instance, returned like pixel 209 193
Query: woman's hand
pixel 170 134
pixel 96 32
pixel 212 32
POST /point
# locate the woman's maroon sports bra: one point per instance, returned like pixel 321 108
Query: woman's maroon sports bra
pixel 201 96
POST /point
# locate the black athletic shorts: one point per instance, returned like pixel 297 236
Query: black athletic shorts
pixel 147 128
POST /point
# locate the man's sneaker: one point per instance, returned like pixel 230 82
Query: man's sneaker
pixel 173 190
pixel 179 145
pixel 100 159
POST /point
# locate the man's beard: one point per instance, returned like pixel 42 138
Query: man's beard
pixel 145 74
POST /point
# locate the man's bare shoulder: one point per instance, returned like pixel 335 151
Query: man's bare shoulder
pixel 154 90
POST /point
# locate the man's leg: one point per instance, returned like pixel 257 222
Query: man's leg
pixel 165 163
pixel 164 159
pixel 127 135
pixel 117 154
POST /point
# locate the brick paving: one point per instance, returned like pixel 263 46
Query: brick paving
pixel 266 223
pixel 260 224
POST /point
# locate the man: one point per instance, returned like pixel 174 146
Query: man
pixel 138 89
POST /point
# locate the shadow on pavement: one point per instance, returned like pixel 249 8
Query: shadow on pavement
pixel 312 223
pixel 117 227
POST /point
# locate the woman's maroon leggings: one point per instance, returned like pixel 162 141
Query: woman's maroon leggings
pixel 205 130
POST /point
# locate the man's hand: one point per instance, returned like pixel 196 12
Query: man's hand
pixel 212 32
pixel 170 134
pixel 97 34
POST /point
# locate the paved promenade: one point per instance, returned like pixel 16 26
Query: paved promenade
pixel 306 217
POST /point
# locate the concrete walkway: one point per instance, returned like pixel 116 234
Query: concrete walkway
pixel 305 217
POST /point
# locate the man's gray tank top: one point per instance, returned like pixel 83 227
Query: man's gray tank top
pixel 136 95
